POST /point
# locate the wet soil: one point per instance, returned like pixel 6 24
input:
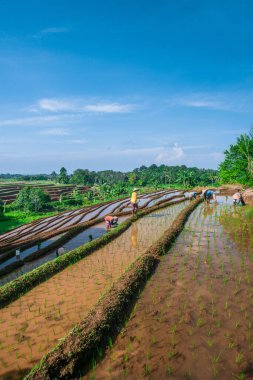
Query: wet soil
pixel 35 323
pixel 194 319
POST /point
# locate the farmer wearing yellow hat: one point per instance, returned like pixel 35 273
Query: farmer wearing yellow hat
pixel 134 202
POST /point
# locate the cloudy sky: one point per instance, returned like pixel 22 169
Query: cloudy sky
pixel 117 84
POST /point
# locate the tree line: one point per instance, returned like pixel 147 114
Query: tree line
pixel 144 176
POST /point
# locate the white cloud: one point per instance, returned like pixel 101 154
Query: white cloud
pixel 37 120
pixel 171 155
pixel 53 30
pixel 109 108
pixel 55 132
pixel 203 104
pixel 199 100
pixel 77 106
pixel 55 105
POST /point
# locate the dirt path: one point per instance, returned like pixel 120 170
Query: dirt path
pixel 35 323
pixel 194 318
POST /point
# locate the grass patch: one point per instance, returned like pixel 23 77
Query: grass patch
pixel 14 219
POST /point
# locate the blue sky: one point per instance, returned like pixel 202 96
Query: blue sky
pixel 117 84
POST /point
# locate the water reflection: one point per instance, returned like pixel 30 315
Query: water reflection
pixel 134 235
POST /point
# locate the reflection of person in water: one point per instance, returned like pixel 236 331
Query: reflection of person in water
pixel 134 235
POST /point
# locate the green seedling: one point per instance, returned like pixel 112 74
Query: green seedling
pixel 200 322
pixel 239 358
pixel 169 370
pixel 216 358
pixel 147 369
pixel 240 376
pixel 210 343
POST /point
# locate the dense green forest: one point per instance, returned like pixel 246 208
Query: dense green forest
pixel 144 176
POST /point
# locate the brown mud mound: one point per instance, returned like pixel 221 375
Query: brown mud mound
pixel 230 189
pixel 248 197
pixel 194 318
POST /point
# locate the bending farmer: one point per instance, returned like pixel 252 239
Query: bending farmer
pixel 208 195
pixel 110 221
pixel 192 195
pixel 134 202
pixel 237 199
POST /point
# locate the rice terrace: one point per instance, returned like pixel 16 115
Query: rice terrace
pixel 126 190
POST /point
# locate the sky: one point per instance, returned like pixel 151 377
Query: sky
pixel 117 84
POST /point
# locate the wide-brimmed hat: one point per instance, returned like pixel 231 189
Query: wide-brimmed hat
pixel 135 189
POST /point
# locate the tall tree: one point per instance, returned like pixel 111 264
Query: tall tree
pixel 238 163
pixel 63 176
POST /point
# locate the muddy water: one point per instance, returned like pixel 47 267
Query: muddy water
pixel 83 237
pixel 32 325
pixel 28 251
pixel 194 319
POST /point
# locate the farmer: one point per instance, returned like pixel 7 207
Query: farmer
pixel 134 202
pixel 110 221
pixel 208 195
pixel 237 199
pixel 192 195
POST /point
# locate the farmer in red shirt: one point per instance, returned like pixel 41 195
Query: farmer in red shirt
pixel 110 221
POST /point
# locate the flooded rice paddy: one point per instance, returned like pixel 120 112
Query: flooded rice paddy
pixel 69 219
pixel 194 319
pixel 83 237
pixel 35 323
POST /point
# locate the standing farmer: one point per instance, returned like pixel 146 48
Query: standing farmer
pixel 134 202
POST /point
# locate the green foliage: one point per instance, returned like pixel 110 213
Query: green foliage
pixel 53 176
pixel 238 164
pixel 13 219
pixel 82 177
pixel 155 176
pixel 111 191
pixel 63 176
pixel 32 199
pixel 1 208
